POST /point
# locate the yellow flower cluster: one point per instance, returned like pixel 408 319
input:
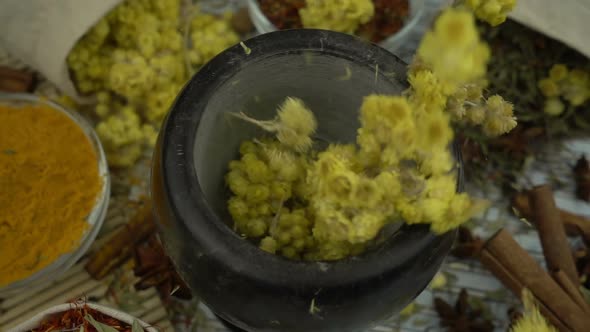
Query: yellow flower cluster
pixel 492 11
pixel 449 73
pixel 532 320
pixel 572 85
pixel 401 167
pixel 123 135
pixel 411 135
pixel 263 180
pixel 135 56
pixel 453 50
pixel 209 35
pixel 337 15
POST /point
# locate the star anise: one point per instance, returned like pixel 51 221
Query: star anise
pixel 155 269
pixel 582 176
pixel 467 245
pixel 462 317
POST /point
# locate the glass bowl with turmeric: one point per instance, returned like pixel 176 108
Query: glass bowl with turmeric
pixel 54 192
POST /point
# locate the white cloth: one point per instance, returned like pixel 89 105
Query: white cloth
pixel 42 32
pixel 565 20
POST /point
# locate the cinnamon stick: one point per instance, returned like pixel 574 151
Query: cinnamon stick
pixel 575 225
pixel 556 248
pixel 120 247
pixel 516 286
pixel 512 265
pixel 574 292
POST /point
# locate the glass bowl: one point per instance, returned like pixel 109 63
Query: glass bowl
pixel 96 217
pixel 391 43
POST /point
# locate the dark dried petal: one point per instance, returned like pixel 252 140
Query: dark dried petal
pixel 445 311
pixel 483 326
pixel 464 235
pixel 467 245
pixel 514 315
pixel 462 324
pixel 582 176
pixel 462 304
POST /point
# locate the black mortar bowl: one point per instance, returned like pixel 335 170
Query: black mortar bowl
pixel 247 287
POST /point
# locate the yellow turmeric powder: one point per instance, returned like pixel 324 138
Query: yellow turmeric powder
pixel 49 181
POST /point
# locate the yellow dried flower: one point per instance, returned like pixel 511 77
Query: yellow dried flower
pixel 476 115
pixel 293 125
pixel 297 124
pixel 426 91
pixel 576 87
pixel 549 88
pixel 408 211
pixel 453 49
pixel 558 72
pixel 435 131
pixel 387 131
pixel 553 107
pixel 364 227
pixel 500 118
pixel 532 320
pixel 337 15
pixel 492 11
pixel 460 209
pixel 437 162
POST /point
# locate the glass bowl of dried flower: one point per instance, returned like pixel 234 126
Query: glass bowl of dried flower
pixel 55 190
pixel 82 316
pixel 386 22
pixel 227 259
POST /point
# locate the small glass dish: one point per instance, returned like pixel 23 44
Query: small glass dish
pixel 391 43
pixel 96 216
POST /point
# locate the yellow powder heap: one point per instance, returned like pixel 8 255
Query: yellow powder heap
pixel 49 182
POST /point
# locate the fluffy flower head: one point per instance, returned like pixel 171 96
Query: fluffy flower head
pixel 453 49
pixel 338 15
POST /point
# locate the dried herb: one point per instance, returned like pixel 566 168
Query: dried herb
pixel 582 176
pixel 388 19
pixel 521 57
pixel 155 269
pixel 462 317
pixel 283 14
